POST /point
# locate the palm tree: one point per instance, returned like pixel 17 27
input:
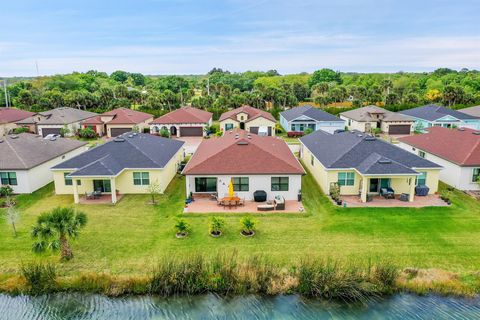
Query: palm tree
pixel 53 229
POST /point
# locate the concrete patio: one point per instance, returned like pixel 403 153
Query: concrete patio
pixel 379 201
pixel 191 143
pixel 208 206
pixel 103 199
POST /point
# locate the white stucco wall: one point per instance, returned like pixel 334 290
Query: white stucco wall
pixel 256 182
pixel 457 176
pixel 33 179
pixel 73 127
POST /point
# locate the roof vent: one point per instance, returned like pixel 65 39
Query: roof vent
pixel 384 161
pixel 135 133
pixel 118 139
pixel 130 135
pixel 359 135
pixel 249 136
pixel 477 133
pixel 242 143
pixel 13 136
pixel 461 129
pixel 1 140
pixel 370 139
pixel 53 138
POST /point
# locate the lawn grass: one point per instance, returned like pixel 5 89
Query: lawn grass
pixel 130 237
pixel 288 139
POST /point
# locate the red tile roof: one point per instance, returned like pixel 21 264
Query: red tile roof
pixel 184 115
pixel 239 152
pixel 8 115
pixel 252 112
pixel 121 116
pixel 459 146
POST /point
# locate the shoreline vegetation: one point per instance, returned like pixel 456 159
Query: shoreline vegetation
pixel 227 274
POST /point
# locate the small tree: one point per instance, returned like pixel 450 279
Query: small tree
pixel 154 189
pixel 136 129
pixel 248 225
pixel 87 133
pixel 182 227
pixel 6 191
pixel 216 225
pixel 164 133
pixel 55 227
pixel 65 131
pixel 12 214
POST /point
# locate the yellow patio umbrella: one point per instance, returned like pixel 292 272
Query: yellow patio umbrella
pixel 230 189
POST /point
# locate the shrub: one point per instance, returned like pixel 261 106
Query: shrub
pixel 164 133
pixel 6 191
pixel 335 191
pixel 216 225
pixel 294 134
pixel 308 131
pixel 279 129
pixel 41 278
pixel 87 133
pixel 248 225
pixel 214 128
pixel 20 130
pixel 182 227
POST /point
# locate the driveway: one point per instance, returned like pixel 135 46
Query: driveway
pixel 191 143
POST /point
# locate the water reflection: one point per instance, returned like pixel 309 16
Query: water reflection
pixel 78 306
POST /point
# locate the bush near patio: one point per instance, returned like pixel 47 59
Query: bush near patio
pixel 128 238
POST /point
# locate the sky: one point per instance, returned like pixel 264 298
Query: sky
pixel 193 36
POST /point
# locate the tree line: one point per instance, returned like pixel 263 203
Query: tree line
pixel 220 90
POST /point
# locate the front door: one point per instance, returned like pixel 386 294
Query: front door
pixel 102 185
pixel 242 125
pixel 373 186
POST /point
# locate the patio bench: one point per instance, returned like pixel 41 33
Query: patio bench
pixel 266 207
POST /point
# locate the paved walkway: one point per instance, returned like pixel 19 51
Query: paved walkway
pixel 208 206
pixel 191 143
pixel 431 200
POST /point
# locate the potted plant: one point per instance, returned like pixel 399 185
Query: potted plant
pixel 335 193
pixel 248 226
pixel 216 226
pixel 182 228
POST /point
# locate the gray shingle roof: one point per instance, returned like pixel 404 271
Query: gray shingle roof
pixel 362 152
pixel 309 111
pixel 61 116
pixel 472 111
pixel 27 150
pixel 433 112
pixel 139 151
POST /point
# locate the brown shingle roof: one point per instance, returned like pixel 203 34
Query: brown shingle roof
pixel 239 152
pixel 461 146
pixel 127 116
pixel 25 151
pixel 364 114
pixel 252 112
pixel 8 115
pixel 184 115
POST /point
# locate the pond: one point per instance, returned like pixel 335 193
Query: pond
pixel 82 306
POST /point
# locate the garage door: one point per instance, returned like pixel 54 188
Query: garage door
pixel 47 131
pixel 118 131
pixel 191 131
pixel 399 129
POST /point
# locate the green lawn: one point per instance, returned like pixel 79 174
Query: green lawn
pixel 288 139
pixel 132 235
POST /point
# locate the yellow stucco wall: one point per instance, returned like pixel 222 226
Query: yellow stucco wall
pixel 224 122
pixel 124 181
pixel 260 122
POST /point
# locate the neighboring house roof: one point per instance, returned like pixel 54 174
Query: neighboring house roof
pixel 9 115
pixel 434 112
pixel 252 113
pixel 472 111
pixel 184 115
pixel 130 150
pixel 121 116
pixel 461 146
pixel 364 114
pixel 239 152
pixel 26 151
pixel 60 116
pixel 366 154
pixel 309 111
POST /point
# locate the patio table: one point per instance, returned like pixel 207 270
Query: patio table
pixel 227 200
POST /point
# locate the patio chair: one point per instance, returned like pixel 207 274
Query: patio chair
pixel 387 193
pixel 279 203
pixel 219 202
pixel 241 202
pixel 89 195
pixel 233 204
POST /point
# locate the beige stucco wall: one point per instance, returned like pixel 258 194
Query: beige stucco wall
pixel 386 124
pixel 124 181
pixel 224 122
pixel 6 127
pixel 260 122
pixel 140 125
pixel 355 125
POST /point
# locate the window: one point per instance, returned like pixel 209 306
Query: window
pixel 205 184
pixel 346 178
pixel 476 175
pixel 240 183
pixel 141 178
pixel 349 122
pixel 279 183
pixel 312 160
pixel 68 180
pixel 228 126
pixel 293 128
pixel 421 179
pixel 421 154
pixel 8 178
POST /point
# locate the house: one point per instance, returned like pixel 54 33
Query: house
pixel 307 117
pixel 118 121
pixel 9 117
pixel 250 161
pixel 250 119
pixel 361 164
pixel 456 150
pixel 26 159
pixel 472 111
pixel 438 116
pixel 127 164
pixel 183 122
pixel 368 118
pixel 55 120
